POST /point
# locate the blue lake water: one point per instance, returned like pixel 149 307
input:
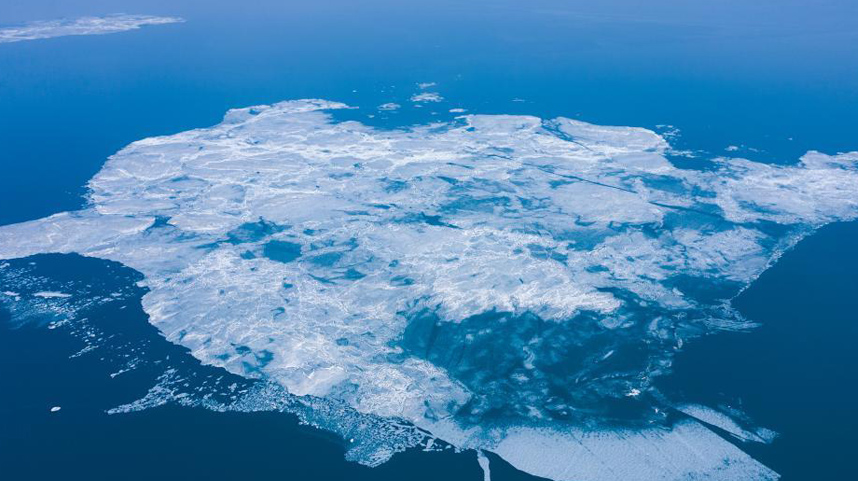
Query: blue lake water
pixel 775 79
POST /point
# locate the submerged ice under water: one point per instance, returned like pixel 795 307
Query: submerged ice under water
pixel 503 283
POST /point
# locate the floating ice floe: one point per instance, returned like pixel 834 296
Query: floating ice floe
pixel 503 283
pixel 426 97
pixel 81 26
pixel 51 294
pixel 390 106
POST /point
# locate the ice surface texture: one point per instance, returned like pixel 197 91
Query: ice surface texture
pixel 503 282
pixel 80 26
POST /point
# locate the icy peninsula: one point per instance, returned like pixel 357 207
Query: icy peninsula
pixel 500 283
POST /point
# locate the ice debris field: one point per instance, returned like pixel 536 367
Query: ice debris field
pixel 501 283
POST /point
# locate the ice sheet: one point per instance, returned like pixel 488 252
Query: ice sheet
pixel 491 271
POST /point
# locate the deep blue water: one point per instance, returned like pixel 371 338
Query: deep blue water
pixel 796 373
pixel 82 441
pixel 779 77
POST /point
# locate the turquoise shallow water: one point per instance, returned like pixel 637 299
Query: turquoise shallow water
pixel 775 79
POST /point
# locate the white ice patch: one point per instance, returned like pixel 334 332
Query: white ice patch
pixel 426 97
pixel 282 245
pixel 81 26
pixel 51 294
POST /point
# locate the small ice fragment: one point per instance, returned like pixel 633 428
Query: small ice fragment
pixel 427 97
pixel 51 294
pixel 55 409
